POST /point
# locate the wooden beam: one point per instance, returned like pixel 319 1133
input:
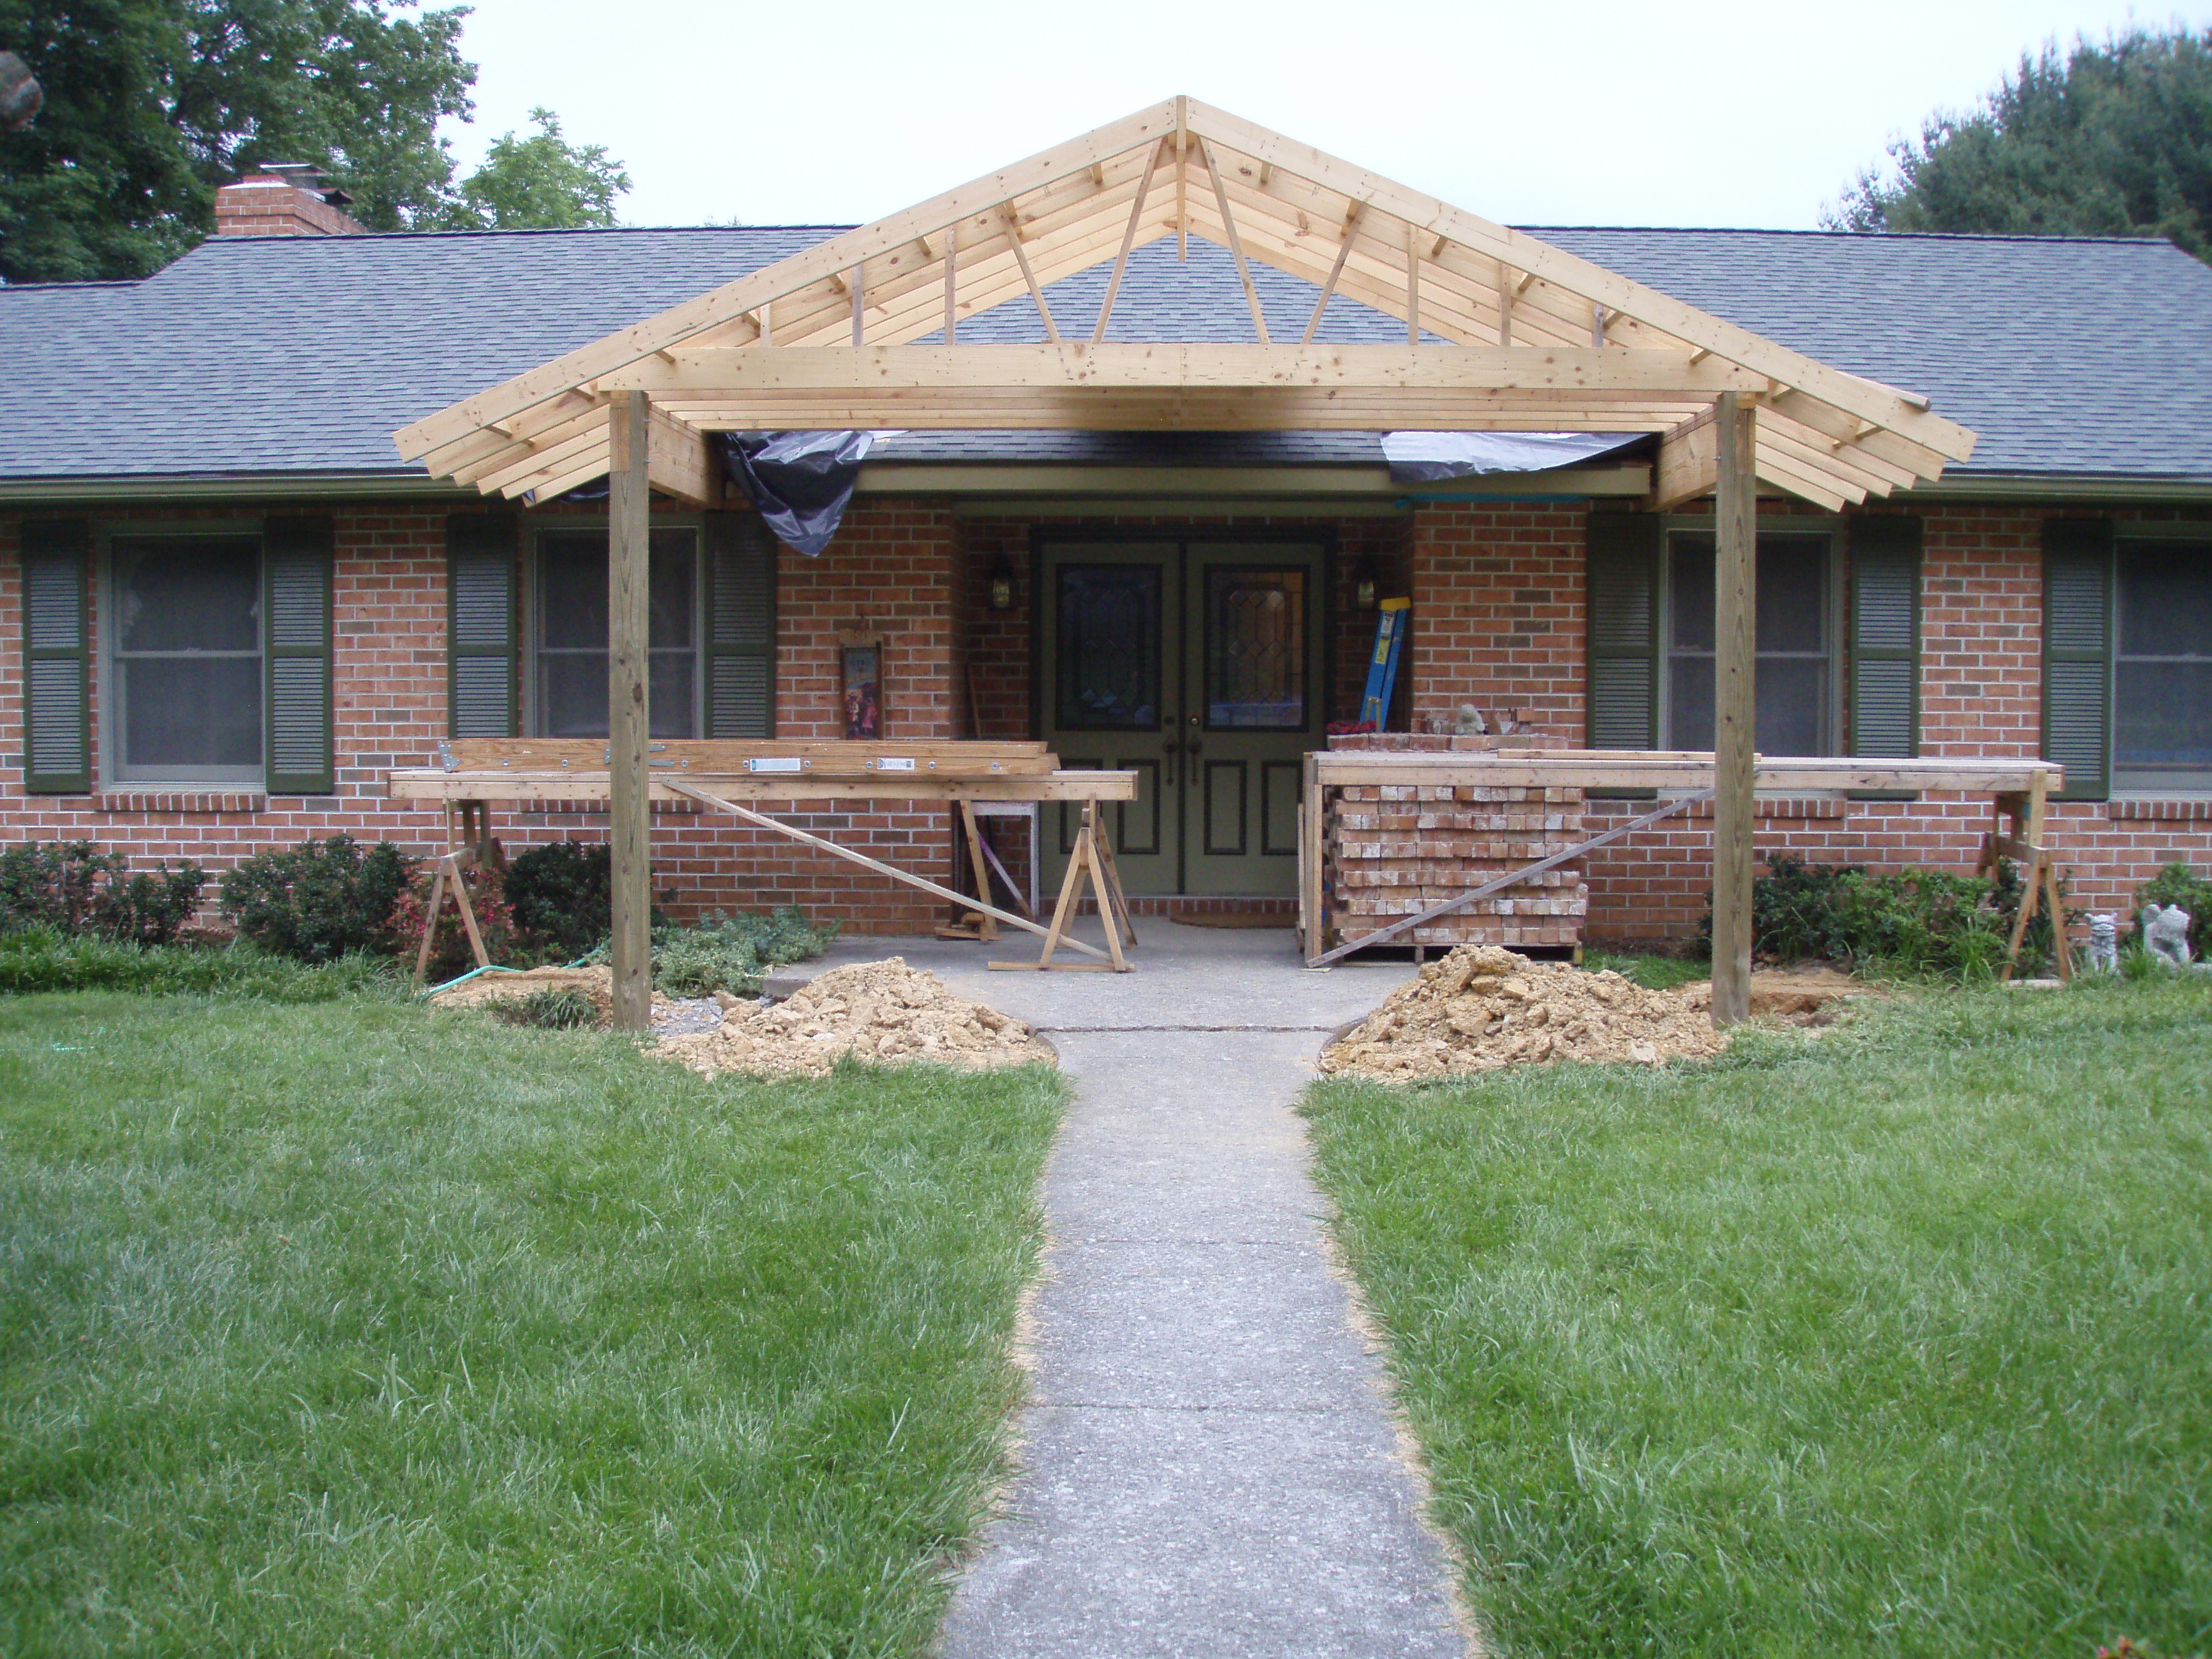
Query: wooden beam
pixel 1336 271
pixel 678 463
pixel 1505 295
pixel 951 284
pixel 859 299
pixel 1689 463
pixel 1412 284
pixel 1183 180
pixel 629 718
pixel 1735 613
pixel 1128 240
pixel 1235 244
pixel 1037 289
pixel 1172 365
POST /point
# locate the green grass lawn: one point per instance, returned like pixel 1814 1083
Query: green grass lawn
pixel 354 1329
pixel 1894 1340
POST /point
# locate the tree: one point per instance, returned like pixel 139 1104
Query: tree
pixel 540 183
pixel 151 105
pixel 2110 140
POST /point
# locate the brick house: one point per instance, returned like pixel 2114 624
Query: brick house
pixel 226 607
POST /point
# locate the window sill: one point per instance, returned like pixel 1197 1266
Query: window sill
pixel 197 801
pixel 2167 809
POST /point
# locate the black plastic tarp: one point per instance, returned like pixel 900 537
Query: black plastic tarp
pixel 801 481
pixel 1431 456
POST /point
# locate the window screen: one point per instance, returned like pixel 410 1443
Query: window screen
pixel 571 646
pixel 2163 665
pixel 1795 642
pixel 186 660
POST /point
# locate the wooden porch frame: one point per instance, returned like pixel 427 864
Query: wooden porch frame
pixel 1535 338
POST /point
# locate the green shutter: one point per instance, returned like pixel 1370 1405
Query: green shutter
pixel 740 626
pixel 296 585
pixel 2077 654
pixel 480 670
pixel 1624 630
pixel 57 675
pixel 1885 697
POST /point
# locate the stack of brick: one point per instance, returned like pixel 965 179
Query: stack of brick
pixel 1394 850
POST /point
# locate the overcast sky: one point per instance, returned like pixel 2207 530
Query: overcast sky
pixel 1657 112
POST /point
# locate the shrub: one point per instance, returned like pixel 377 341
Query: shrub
pixel 1909 922
pixel 42 958
pixel 319 900
pixel 74 890
pixel 2177 885
pixel 555 1007
pixel 559 896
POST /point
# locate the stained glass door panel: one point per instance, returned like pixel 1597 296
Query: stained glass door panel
pixel 1109 668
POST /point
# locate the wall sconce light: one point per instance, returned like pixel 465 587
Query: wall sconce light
pixel 1002 586
pixel 1363 583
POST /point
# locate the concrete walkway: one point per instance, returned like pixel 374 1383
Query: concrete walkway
pixel 1208 1466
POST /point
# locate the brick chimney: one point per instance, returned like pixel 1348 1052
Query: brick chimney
pixel 283 198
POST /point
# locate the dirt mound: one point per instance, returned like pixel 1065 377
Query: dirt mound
pixel 1482 1007
pixel 883 1012
pixel 596 983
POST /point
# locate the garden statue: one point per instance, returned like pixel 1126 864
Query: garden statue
pixel 2103 944
pixel 2165 934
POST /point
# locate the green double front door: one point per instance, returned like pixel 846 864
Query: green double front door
pixel 1201 666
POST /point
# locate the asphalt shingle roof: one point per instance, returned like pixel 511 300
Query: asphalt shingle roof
pixel 261 356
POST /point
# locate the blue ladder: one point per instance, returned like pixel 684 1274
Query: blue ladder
pixel 1382 667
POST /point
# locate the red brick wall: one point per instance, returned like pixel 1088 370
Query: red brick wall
pixel 1498 592
pixel 1498 619
pixel 891 571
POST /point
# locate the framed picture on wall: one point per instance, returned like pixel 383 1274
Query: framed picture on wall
pixel 860 665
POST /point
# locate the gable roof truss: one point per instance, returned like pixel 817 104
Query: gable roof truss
pixel 1504 332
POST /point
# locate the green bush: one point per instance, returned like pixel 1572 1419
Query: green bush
pixel 319 900
pixel 1906 921
pixel 42 958
pixel 559 896
pixel 555 1007
pixel 730 953
pixel 73 889
pixel 2178 885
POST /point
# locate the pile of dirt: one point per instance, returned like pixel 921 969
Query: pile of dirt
pixel 883 1012
pixel 1482 1007
pixel 596 983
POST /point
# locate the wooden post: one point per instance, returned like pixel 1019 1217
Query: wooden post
pixel 1736 612
pixel 629 536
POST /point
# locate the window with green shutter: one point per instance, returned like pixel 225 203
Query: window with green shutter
pixel 480 568
pixel 57 678
pixel 296 575
pixel 740 631
pixel 2077 653
pixel 1885 694
pixel 1623 612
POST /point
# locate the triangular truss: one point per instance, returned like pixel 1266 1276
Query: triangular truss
pixel 1537 338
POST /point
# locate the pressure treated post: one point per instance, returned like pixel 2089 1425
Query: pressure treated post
pixel 1735 611
pixel 627 619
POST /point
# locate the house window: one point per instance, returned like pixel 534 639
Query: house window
pixel 1797 670
pixel 568 651
pixel 185 662
pixel 2162 665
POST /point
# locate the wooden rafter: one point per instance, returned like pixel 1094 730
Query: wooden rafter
pixel 1514 307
